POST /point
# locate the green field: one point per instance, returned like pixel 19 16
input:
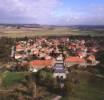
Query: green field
pixel 89 87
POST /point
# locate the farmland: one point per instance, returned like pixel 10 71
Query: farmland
pixel 50 31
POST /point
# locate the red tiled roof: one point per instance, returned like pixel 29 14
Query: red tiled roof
pixel 19 47
pixel 74 59
pixel 41 63
pixel 92 57
pixel 94 50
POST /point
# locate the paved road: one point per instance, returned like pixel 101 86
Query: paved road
pixel 57 98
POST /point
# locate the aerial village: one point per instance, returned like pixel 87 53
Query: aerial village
pixel 57 54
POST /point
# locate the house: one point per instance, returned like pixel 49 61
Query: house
pixel 73 60
pixel 93 50
pixel 19 48
pixel 36 65
pixel 82 54
pixel 13 51
pixel 59 71
pixel 18 56
pixel 92 60
pixel 59 58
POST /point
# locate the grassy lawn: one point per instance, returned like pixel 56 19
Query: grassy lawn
pixel 11 78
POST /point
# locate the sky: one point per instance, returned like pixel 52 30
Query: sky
pixel 52 12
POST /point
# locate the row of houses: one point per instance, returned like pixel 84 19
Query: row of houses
pixel 70 61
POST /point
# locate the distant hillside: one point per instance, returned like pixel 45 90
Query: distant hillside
pixel 84 27
pixel 21 25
